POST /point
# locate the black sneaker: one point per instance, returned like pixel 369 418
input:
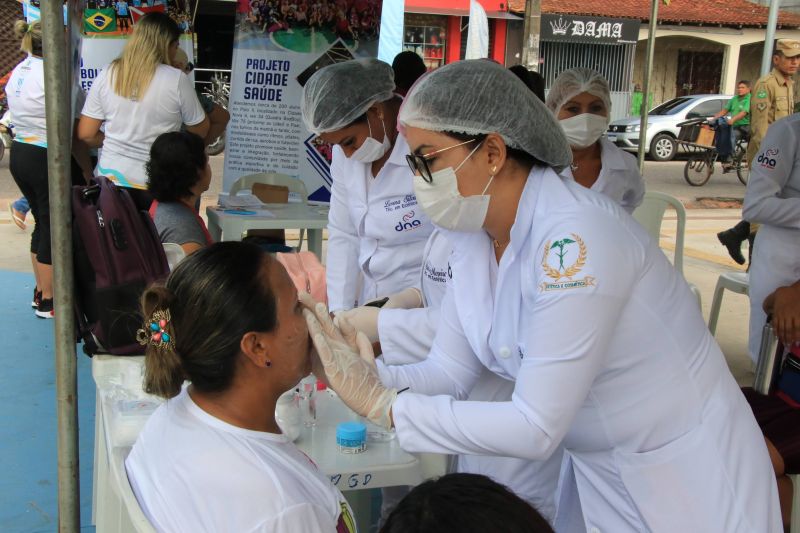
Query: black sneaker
pixel 45 309
pixel 37 298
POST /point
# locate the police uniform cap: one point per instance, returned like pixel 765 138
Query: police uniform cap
pixel 789 47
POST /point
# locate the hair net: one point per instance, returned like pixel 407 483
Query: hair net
pixel 479 96
pixel 338 94
pixel 575 81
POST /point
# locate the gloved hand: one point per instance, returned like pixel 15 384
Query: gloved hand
pixel 410 298
pixel 349 365
pixel 363 319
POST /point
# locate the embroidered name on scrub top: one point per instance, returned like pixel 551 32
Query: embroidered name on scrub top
pixel 562 260
pixel 409 200
pixel 436 275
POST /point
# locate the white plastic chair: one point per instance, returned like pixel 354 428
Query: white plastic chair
pixel 295 185
pixel 132 518
pixel 174 253
pixel 651 214
pixel 738 282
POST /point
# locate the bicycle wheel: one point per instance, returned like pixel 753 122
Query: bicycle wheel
pixel 697 170
pixel 216 147
pixel 742 169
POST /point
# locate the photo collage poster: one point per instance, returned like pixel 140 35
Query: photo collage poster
pixel 107 24
pixel 278 46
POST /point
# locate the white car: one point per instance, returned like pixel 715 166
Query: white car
pixel 662 120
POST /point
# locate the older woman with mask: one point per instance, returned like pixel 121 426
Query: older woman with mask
pixel 580 99
pixel 557 289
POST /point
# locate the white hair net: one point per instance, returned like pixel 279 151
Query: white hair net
pixel 338 94
pixel 478 97
pixel 575 81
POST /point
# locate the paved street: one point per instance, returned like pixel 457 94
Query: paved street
pixel 704 259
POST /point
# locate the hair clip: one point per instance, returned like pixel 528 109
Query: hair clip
pixel 154 331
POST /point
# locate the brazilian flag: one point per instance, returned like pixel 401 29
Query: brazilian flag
pixel 99 20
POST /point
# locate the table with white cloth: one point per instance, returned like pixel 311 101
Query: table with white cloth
pixel 230 224
pixel 123 407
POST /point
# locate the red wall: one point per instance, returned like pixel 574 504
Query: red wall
pixel 453 39
pixel 499 48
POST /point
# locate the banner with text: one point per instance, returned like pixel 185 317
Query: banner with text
pixel 277 47
pixel 597 30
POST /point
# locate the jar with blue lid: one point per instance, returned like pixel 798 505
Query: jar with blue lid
pixel 351 437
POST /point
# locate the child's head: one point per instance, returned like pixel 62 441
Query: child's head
pixel 178 168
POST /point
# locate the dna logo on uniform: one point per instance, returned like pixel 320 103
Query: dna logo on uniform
pixel 408 223
pixel 768 159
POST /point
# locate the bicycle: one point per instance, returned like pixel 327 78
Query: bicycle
pixel 702 158
pixel 219 92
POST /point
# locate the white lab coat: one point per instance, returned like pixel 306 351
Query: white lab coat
pixel 619 177
pixel 611 359
pixel 376 230
pixel 773 200
pixel 406 337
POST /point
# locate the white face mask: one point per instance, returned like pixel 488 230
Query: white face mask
pixel 445 206
pixel 371 149
pixel 583 130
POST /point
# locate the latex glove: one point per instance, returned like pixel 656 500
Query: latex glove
pixel 363 319
pixel 410 298
pixel 349 365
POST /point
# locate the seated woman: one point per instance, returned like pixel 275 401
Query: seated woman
pixel 212 458
pixel 177 174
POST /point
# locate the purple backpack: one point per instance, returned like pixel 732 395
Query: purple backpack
pixel 117 254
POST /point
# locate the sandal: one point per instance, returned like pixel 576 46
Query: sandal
pixel 17 217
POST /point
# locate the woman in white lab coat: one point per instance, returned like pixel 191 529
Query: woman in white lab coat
pixel 556 288
pixel 773 200
pixel 404 336
pixel 376 230
pixel 580 98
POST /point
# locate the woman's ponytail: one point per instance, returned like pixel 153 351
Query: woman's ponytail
pixel 30 35
pixel 164 372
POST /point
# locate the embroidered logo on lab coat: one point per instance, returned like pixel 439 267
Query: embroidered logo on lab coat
pixel 408 223
pixel 768 159
pixel 556 264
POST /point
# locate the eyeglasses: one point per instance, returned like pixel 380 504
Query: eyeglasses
pixel 419 163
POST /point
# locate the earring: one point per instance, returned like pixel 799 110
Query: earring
pixel 268 363
pixel 494 170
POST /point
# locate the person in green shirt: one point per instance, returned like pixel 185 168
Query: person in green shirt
pixel 733 122
pixel 637 98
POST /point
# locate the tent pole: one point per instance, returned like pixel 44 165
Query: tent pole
pixel 648 67
pixel 772 23
pixel 59 132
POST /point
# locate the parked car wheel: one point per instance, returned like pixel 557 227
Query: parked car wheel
pixel 663 147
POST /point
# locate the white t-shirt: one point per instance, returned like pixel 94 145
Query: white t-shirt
pixel 131 126
pixel 25 93
pixel 192 472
